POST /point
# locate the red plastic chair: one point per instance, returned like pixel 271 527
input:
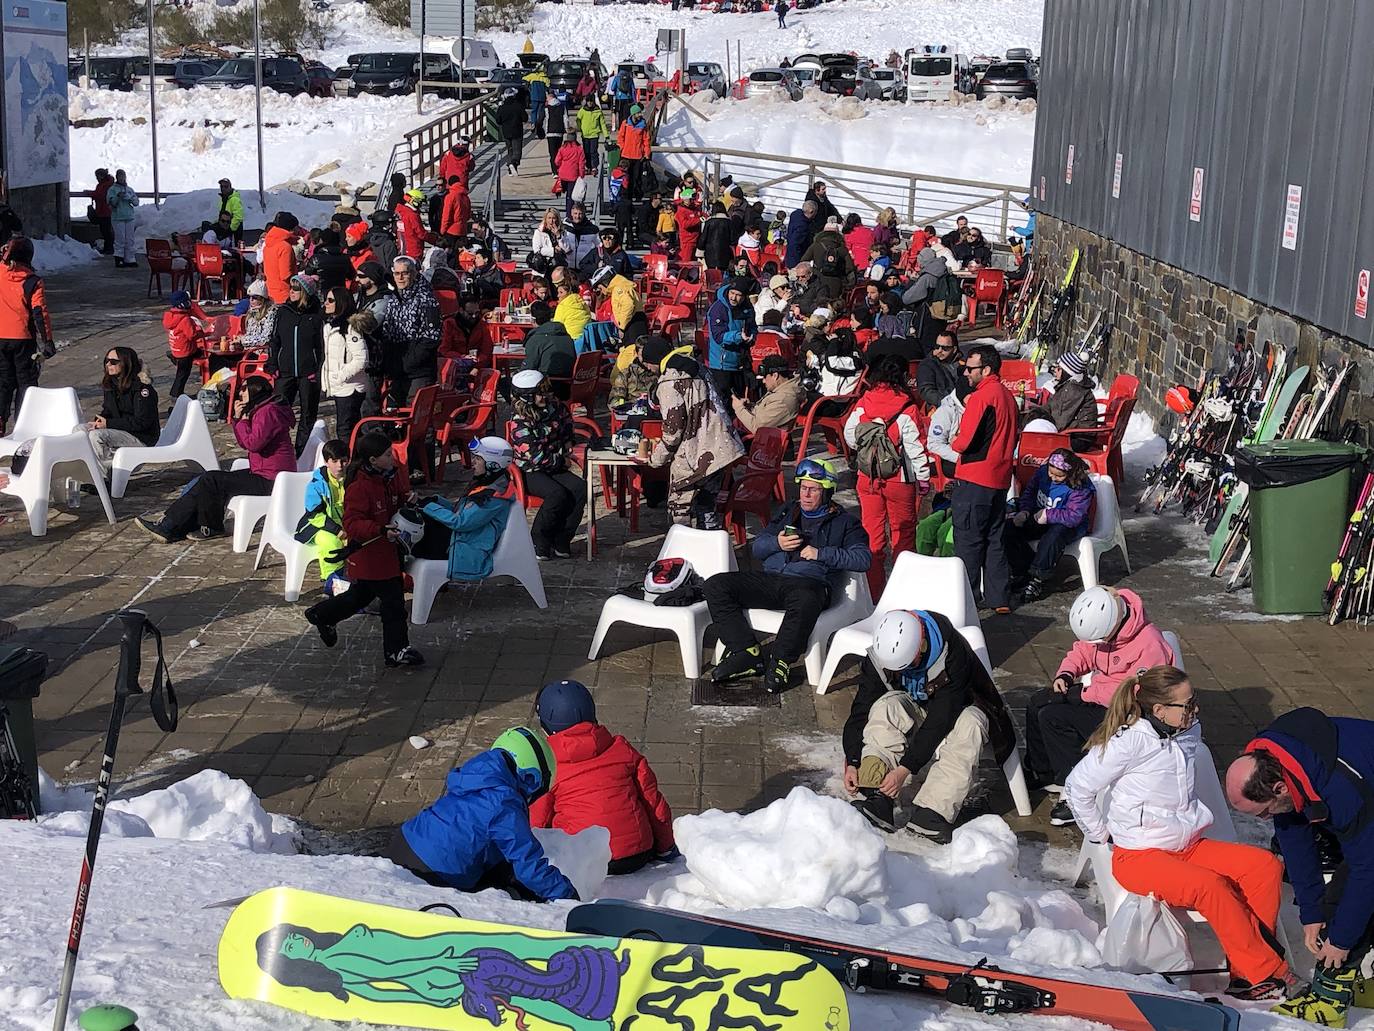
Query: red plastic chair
pixel 831 426
pixel 162 262
pixel 990 287
pixel 210 269
pixel 1034 449
pixel 471 417
pixel 1106 456
pixel 410 427
pixel 582 383
pixel 657 266
pixel 750 490
pixel 669 319
pixel 1122 387
pixel 1018 376
pixel 448 302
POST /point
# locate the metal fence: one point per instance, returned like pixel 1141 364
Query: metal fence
pixel 416 155
pixel 918 199
pixel 1230 138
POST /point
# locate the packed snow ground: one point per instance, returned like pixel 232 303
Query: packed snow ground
pixel 807 863
pixel 204 134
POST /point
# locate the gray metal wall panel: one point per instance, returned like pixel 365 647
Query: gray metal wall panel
pixel 1260 94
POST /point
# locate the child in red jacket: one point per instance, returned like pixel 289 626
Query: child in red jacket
pixel 601 782
pixel 185 323
pixel 373 493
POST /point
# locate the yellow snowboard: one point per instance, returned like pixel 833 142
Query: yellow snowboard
pixel 338 959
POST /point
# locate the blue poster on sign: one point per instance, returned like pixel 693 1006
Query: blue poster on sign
pixel 35 53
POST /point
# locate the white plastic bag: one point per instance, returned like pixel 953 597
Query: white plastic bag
pixel 1144 936
pixel 580 190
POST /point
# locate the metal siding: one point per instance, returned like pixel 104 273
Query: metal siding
pixel 1258 93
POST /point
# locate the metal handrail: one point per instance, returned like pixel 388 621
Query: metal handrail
pixel 918 198
pixel 418 151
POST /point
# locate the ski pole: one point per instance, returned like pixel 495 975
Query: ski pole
pixel 163 702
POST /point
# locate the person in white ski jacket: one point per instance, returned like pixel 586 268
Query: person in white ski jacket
pixel 776 296
pixel 944 424
pixel 1142 761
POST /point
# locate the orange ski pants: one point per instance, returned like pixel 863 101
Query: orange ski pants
pixel 1234 887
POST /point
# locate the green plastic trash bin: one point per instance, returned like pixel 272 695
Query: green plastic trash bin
pixel 612 157
pixel 21 677
pixel 1299 505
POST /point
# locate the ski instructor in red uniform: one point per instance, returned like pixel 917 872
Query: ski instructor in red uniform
pixel 986 443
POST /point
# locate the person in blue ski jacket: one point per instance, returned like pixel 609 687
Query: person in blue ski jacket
pixel 801 228
pixel 477 834
pixel 1312 773
pixel 467 531
pixel 731 326
pixel 1053 511
pixel 622 89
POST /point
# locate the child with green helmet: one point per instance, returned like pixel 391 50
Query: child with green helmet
pixel 477 834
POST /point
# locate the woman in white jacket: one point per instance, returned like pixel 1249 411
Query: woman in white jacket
pixel 888 499
pixel 1145 753
pixel 345 357
pixel 552 244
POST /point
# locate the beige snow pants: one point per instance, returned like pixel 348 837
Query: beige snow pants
pixel 950 775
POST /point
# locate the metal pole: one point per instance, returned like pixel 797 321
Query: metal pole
pixel 86 46
pixel 420 81
pixel 739 62
pixel 152 104
pixel 257 95
pixel 462 49
pixel 729 78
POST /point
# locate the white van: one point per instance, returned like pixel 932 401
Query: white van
pixel 934 72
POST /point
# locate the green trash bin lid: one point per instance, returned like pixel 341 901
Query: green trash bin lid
pixel 1288 463
pixel 108 1017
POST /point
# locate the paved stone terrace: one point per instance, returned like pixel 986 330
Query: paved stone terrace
pixel 322 734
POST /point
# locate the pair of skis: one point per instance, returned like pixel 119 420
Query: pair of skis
pixel 1050 323
pixel 1350 591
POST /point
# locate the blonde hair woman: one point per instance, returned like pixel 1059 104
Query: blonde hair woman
pixel 551 244
pixel 1146 752
pixel 885 232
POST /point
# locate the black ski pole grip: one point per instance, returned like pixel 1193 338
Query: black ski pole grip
pixel 130 659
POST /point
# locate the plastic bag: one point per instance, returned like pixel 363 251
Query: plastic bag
pixel 580 190
pixel 1144 936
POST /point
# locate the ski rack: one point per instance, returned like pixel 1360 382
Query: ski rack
pixel 981 993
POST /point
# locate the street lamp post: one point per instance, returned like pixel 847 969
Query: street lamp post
pixel 257 93
pixel 152 104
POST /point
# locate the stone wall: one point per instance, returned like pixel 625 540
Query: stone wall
pixel 43 209
pixel 1171 326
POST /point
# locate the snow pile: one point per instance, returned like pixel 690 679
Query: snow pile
pixel 209 806
pixel 1142 448
pixel 185 212
pixel 811 852
pixel 582 857
pixel 53 253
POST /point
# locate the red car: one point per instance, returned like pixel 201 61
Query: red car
pixel 319 80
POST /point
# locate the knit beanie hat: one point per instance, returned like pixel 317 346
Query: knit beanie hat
pixel 1073 364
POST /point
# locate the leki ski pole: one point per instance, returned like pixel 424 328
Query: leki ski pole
pixel 163 702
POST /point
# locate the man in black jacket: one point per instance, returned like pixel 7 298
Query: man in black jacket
pixel 938 372
pixel 646 221
pixel 296 352
pixel 973 249
pixel 718 238
pixel 510 118
pixel 610 253
pixel 328 263
pixel 956 235
pixel 825 208
pixel 923 694
pixel 548 348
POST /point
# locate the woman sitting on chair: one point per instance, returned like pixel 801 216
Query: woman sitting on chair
pixel 542 436
pixel 128 412
pixel 262 426
pixel 1053 511
pixel 1145 753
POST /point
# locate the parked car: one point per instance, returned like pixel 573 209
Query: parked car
pixel 806 75
pixel 510 78
pixel 707 75
pixel 880 84
pixel 320 80
pixel 565 72
pixel 1013 79
pixel 778 82
pixel 529 62
pixel 385 74
pixel 639 73
pixel 843 60
pixel 283 74
pixel 1019 54
pixel 839 79
pixel 178 74
pixel 116 73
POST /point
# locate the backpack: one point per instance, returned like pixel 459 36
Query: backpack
pixel 947 300
pixel 875 455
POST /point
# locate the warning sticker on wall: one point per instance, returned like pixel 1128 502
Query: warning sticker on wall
pixel 1116 177
pixel 1362 294
pixel 1195 204
pixel 1044 195
pixel 1068 167
pixel 1290 218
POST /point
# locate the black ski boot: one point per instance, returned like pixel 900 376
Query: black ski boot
pixel 738 665
pixel 930 824
pixel 1034 590
pixel 877 809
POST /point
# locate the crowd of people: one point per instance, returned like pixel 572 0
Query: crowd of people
pixel 802 311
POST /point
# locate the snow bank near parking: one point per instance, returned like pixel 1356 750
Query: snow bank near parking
pixel 185 212
pixel 54 253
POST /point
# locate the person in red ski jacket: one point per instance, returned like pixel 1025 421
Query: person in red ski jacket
pixel 356 247
pixel 601 782
pixel 688 217
pixel 374 490
pixel 456 161
pixel 457 209
pixel 410 233
pixel 185 324
pixel 986 443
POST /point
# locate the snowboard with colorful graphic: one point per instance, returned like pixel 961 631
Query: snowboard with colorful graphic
pixel 974 985
pixel 338 959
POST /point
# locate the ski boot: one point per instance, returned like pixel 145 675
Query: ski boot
pixel 1326 1000
pixel 108 1017
pixel 931 825
pixel 777 676
pixel 738 665
pixel 877 809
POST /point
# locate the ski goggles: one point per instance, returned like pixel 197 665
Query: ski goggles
pixel 817 472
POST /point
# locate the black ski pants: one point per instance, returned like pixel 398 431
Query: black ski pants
pixel 18 372
pixel 1037 548
pixel 205 502
pixel 978 514
pixel 391 594
pixel 801 599
pixel 308 387
pixel 347 411
pixel 106 225
pixel 564 498
pixel 182 377
pixel 1057 727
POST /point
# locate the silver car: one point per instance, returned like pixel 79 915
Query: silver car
pixel 773 82
pixel 707 75
pixel 880 84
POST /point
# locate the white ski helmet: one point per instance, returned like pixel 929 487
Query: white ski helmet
pixel 495 451
pixel 1096 613
pixel 410 527
pixel 897 641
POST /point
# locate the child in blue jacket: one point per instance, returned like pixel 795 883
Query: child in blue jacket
pixel 322 523
pixel 467 531
pixel 477 834
pixel 1053 511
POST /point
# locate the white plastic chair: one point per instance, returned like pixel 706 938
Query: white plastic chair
pixel 250 509
pixel 850 603
pixel 51 451
pixel 185 438
pixel 1107 533
pixel 284 510
pixel 1012 768
pixel 709 552
pixel 514 556
pixel 46 412
pixel 917 582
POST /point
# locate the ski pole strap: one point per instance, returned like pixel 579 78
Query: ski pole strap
pixel 163 697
